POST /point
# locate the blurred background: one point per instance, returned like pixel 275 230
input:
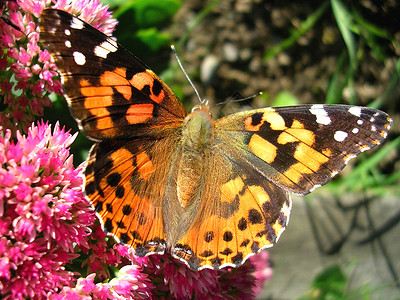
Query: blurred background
pixel 343 240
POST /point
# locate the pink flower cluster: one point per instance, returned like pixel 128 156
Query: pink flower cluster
pixel 130 283
pixel 163 277
pixel 173 280
pixel 91 11
pixel 28 74
pixel 43 212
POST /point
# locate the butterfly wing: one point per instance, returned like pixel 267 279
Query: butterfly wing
pixel 110 91
pixel 126 182
pixel 255 158
pixel 300 148
pixel 239 214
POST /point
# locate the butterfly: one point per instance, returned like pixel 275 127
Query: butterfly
pixel 161 179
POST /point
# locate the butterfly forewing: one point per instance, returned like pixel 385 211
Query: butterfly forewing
pixel 110 92
pixel 300 148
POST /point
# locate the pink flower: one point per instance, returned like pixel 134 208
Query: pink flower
pixel 263 271
pixel 247 281
pixel 44 213
pixel 131 283
pixel 91 11
pixel 27 70
pixel 173 280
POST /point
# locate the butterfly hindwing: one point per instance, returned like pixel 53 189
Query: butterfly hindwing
pixel 240 214
pixel 110 91
pixel 300 148
pixel 126 183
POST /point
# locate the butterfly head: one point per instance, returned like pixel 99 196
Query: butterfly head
pixel 198 126
pixel 202 106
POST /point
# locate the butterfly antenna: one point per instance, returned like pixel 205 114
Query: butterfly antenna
pixel 239 100
pixel 184 72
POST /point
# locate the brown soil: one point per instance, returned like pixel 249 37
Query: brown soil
pixel 233 37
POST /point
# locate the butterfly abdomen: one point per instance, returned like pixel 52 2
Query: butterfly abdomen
pixel 198 129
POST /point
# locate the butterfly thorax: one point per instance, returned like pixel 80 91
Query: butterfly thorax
pixel 198 129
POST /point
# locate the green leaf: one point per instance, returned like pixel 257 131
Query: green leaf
pixel 331 282
pixel 345 22
pixel 153 38
pixel 334 94
pixel 114 3
pixel 285 98
pixel 148 13
pixel 346 26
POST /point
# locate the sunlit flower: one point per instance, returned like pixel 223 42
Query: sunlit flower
pixel 131 283
pixel 174 280
pixel 43 212
pixel 247 281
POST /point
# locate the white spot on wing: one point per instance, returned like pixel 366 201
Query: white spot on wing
pixel 314 187
pixel 340 136
pixel 105 48
pixel 363 149
pixel 360 122
pixel 67 32
pixel 355 110
pixel 67 44
pixel 79 58
pixel 355 130
pixel 348 158
pixel 321 114
pixel 373 128
pixel 77 24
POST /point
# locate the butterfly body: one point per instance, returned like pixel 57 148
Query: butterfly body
pixel 197 136
pixel 210 192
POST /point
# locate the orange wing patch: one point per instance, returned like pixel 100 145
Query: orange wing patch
pixel 140 80
pixel 262 148
pixel 256 221
pixel 139 113
pixel 120 186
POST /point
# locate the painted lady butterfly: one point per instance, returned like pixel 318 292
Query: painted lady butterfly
pixel 211 192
